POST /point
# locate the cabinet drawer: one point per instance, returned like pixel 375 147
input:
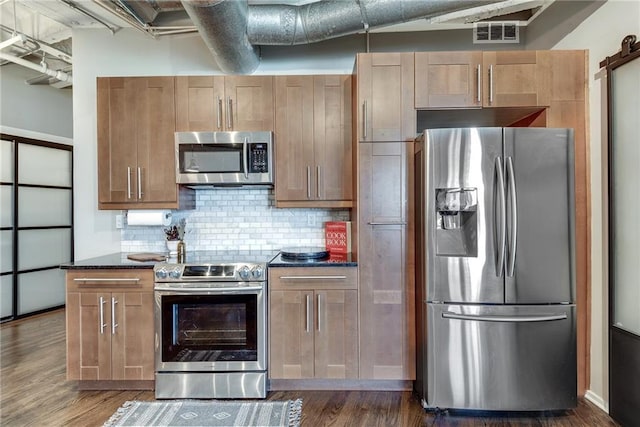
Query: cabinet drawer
pixel 313 278
pixel 120 280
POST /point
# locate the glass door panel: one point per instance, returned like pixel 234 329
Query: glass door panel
pixel 626 196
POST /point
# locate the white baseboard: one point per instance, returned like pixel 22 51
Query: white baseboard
pixel 597 400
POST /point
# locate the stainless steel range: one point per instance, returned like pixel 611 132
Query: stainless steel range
pixel 210 317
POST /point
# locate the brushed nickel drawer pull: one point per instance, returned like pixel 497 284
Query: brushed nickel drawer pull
pixel 105 279
pixel 313 277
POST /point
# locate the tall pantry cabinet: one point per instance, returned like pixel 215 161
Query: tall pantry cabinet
pixel 386 127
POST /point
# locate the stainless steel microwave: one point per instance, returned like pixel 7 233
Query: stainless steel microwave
pixel 224 158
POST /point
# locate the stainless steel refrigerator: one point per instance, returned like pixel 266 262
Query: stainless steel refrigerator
pixel 495 269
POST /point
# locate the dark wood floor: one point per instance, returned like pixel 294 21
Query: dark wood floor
pixel 34 392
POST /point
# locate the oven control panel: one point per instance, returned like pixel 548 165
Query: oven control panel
pixel 232 272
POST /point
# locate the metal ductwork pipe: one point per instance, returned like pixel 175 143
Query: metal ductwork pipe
pixel 231 27
pixel 314 22
pixel 223 27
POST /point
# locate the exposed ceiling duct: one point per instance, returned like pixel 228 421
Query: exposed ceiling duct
pixel 223 27
pixel 323 20
pixel 230 28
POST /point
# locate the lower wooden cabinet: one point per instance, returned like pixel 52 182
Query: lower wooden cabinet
pixel 110 327
pixel 313 323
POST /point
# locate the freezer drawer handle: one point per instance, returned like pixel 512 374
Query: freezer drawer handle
pixel 511 319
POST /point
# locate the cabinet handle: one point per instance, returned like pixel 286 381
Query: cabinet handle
pixel 229 113
pixel 308 182
pixel 490 84
pixel 114 301
pixel 219 116
pixel 319 314
pixel 308 310
pixel 364 120
pixel 102 324
pixel 140 193
pixel 107 279
pixel 318 181
pixel 386 223
pixel 128 182
pixel 313 277
pixel 479 81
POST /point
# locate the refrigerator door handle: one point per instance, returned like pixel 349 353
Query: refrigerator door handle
pixel 502 226
pixel 511 263
pixel 511 319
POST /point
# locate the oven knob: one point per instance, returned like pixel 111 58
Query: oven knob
pixel 257 272
pixel 244 272
pixel 161 273
pixel 175 273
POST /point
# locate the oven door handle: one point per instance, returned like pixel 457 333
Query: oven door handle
pixel 233 290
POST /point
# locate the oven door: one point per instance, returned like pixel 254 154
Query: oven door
pixel 210 330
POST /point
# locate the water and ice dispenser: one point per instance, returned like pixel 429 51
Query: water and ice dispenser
pixel 456 221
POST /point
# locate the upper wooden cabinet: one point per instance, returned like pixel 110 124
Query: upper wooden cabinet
pixel 136 160
pixel 482 79
pixel 313 141
pixel 224 103
pixel 385 107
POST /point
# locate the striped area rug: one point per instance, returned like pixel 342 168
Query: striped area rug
pixel 219 413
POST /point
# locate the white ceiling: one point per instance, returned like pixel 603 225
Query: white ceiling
pixel 44 26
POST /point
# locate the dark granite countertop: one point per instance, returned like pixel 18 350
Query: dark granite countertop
pixel 119 260
pixel 347 260
pixel 114 261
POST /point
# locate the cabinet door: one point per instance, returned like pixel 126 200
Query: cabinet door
pixel 291 352
pixel 155 119
pixel 200 103
pixel 516 78
pixel 332 138
pixel 136 154
pixel 117 140
pixel 448 79
pixel 294 139
pixel 387 348
pixel 336 334
pixel 385 106
pixel 249 103
pixel 88 336
pixel 132 329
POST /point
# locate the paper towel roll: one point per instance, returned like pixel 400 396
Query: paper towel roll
pixel 149 217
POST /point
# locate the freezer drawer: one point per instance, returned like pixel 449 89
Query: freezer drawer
pixel 513 358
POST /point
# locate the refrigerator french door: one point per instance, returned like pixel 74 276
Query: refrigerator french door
pixel 496 269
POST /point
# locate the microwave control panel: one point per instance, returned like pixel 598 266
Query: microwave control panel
pixel 258 158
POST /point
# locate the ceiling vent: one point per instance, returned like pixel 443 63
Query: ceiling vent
pixel 496 32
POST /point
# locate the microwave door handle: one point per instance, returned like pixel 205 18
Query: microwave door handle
pixel 245 157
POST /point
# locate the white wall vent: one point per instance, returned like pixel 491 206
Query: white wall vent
pixel 496 32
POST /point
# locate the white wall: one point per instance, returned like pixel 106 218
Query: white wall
pixel 34 108
pixel 601 33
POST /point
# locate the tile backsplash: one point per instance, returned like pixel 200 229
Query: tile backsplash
pixel 237 219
